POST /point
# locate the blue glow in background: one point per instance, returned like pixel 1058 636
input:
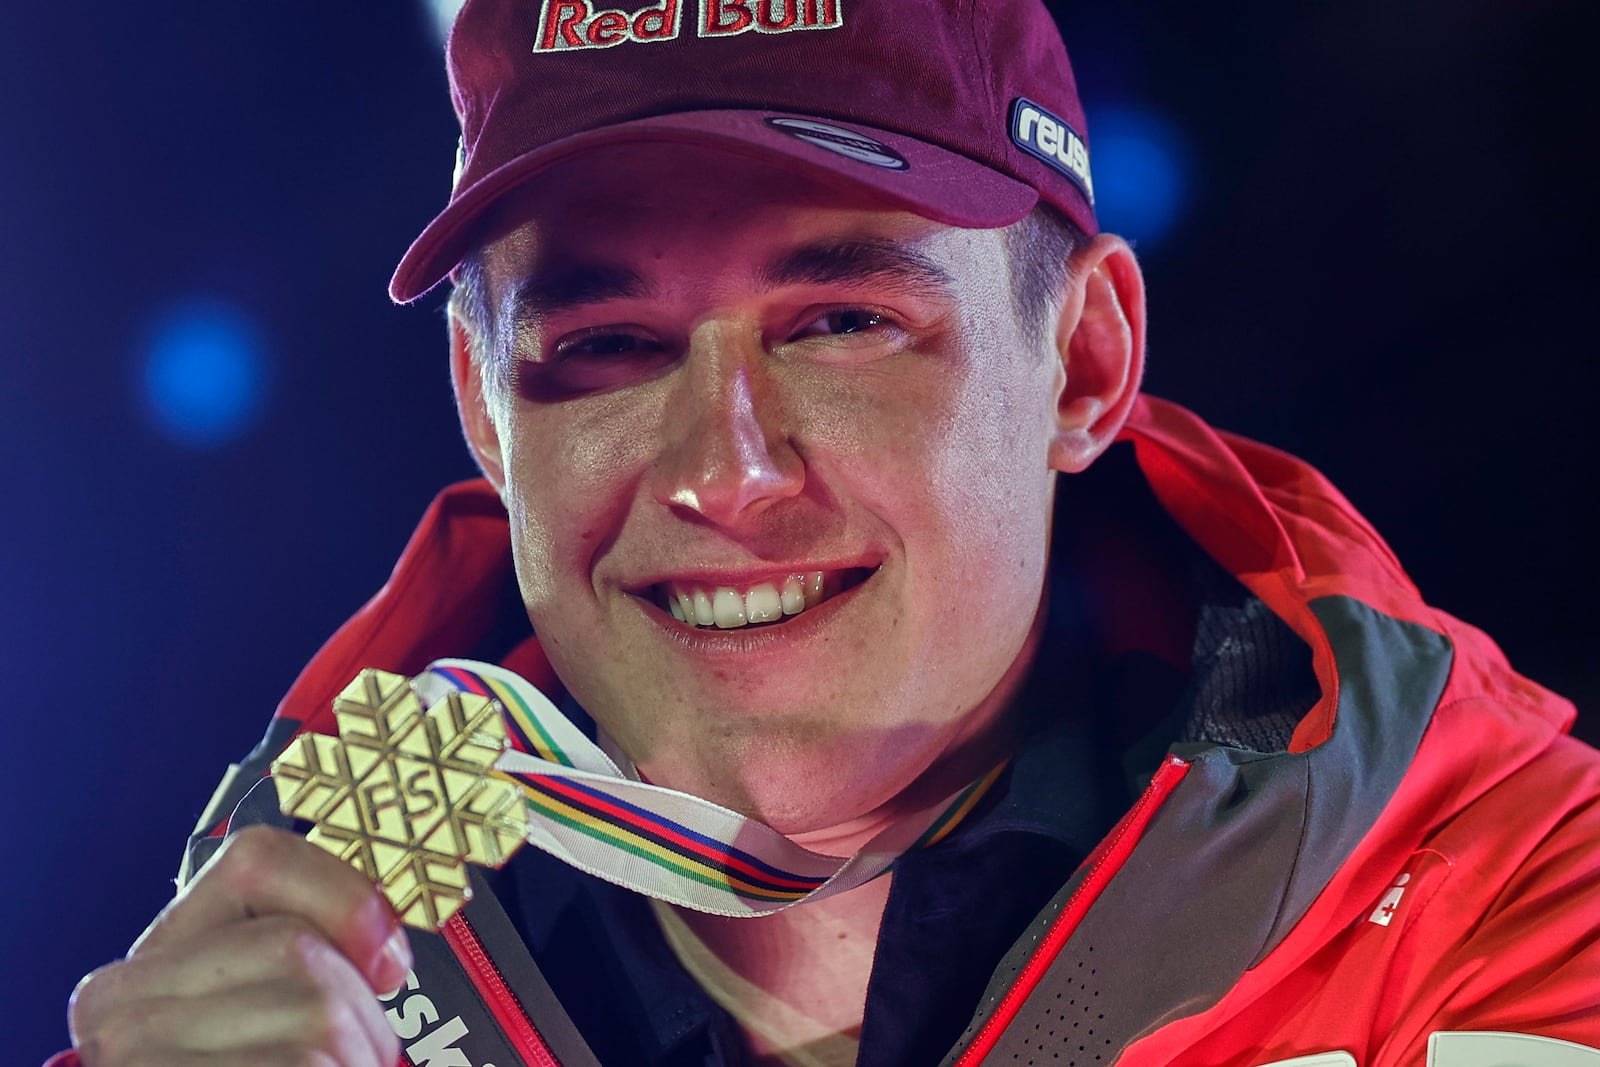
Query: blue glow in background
pixel 1142 171
pixel 204 377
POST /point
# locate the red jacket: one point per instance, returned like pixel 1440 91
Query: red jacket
pixel 1424 858
pixel 1434 865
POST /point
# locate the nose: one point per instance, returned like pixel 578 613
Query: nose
pixel 726 454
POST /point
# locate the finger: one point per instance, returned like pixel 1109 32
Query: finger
pixel 338 1015
pixel 246 953
pixel 284 1056
pixel 345 1024
pixel 265 871
pixel 253 1058
pixel 273 951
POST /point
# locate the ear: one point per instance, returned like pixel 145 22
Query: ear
pixel 1100 341
pixel 483 437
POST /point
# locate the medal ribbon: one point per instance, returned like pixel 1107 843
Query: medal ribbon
pixel 592 814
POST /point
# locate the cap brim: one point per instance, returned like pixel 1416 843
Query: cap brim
pixel 915 175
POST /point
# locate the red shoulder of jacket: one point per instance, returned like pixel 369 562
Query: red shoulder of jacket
pixel 440 600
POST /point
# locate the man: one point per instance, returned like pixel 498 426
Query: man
pixel 806 395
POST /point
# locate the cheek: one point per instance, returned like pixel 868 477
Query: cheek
pixel 570 475
pixel 985 526
pixel 532 538
pixel 987 440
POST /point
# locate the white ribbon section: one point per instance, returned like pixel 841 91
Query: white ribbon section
pixel 665 844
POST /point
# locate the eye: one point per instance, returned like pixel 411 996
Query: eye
pixel 594 360
pixel 844 322
pixel 608 341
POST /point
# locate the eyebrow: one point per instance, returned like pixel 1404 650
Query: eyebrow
pixel 856 261
pixel 573 286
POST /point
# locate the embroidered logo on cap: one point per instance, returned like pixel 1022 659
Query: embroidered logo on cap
pixel 724 18
pixel 847 143
pixel 1047 136
pixel 568 24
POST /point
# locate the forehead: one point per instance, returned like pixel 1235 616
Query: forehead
pixel 661 208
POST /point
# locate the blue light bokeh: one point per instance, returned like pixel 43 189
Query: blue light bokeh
pixel 1142 172
pixel 204 374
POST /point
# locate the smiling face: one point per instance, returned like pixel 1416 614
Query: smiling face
pixel 810 426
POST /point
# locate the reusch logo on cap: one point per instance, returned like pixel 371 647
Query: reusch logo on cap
pixel 570 24
pixel 1046 136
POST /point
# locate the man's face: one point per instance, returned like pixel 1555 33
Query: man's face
pixel 725 381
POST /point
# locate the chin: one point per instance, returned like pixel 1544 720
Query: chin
pixel 795 786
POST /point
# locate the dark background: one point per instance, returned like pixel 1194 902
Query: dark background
pixel 1380 258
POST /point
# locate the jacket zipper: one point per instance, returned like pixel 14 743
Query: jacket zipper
pixel 491 986
pixel 1106 861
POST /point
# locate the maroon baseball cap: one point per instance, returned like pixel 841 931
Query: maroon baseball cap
pixel 963 111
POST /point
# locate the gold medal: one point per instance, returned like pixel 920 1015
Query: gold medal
pixel 405 794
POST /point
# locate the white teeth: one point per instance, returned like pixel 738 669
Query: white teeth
pixel 762 604
pixel 727 608
pixel 793 599
pixel 703 615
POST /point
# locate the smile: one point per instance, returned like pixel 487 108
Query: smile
pixel 761 603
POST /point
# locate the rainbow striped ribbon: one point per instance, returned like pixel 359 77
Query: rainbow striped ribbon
pixel 585 810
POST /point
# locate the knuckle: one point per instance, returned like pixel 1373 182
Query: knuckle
pixel 320 1017
pixel 117 1037
pixel 93 999
pixel 304 953
pixel 248 857
pixel 365 918
pixel 83 1005
pixel 327 1023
